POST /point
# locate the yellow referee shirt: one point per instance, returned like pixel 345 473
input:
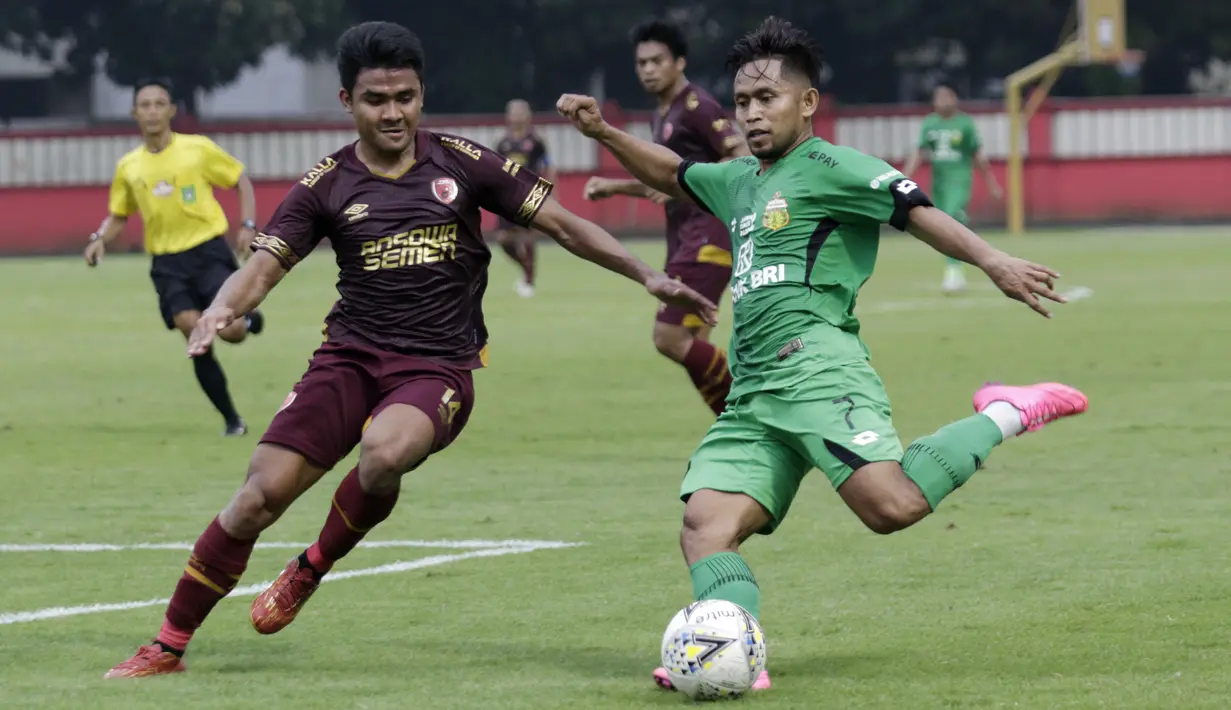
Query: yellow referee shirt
pixel 174 191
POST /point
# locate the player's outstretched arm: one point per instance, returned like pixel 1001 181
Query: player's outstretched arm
pixel 240 293
pixel 600 188
pixel 593 243
pixel 1017 278
pixel 653 165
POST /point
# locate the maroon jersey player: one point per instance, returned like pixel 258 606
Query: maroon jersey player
pixel 691 123
pixel 526 148
pixel 401 208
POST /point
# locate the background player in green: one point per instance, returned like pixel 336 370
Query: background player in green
pixel 950 140
pixel 805 219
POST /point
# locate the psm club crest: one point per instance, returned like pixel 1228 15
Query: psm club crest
pixel 444 189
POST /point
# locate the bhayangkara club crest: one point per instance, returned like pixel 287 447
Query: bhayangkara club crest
pixel 444 189
pixel 776 215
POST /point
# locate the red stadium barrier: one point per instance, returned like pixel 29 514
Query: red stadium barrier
pixel 1088 161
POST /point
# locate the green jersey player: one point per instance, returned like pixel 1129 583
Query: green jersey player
pixel 805 218
pixel 950 140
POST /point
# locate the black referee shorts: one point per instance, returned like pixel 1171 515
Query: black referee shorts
pixel 189 280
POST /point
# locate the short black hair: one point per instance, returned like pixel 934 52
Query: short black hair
pixel 778 39
pixel 946 84
pixel 161 82
pixel 377 45
pixel 663 32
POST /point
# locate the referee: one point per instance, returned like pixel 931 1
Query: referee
pixel 169 179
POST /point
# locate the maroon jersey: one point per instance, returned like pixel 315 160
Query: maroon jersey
pixel 529 151
pixel 696 128
pixel 412 263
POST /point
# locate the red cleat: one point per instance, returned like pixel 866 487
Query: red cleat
pixel 275 608
pixel 150 660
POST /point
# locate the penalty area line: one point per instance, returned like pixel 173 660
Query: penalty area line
pixel 251 590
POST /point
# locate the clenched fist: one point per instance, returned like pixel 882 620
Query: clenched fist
pixel 584 114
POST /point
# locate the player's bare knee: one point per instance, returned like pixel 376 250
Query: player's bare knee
pixel 185 321
pixel 234 333
pixel 718 522
pixel 384 459
pixel 704 536
pixel 381 467
pixel 672 341
pixel 254 508
pixel 895 509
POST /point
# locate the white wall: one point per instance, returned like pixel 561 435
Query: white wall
pixel 280 86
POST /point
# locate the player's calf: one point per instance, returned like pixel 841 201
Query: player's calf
pixel 276 477
pixel 888 496
pixel 715 524
pixel 396 440
pixel 705 363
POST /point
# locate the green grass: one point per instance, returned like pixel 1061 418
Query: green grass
pixel 1086 567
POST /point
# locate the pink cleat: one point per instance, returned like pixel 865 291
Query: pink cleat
pixel 664 681
pixel 1038 404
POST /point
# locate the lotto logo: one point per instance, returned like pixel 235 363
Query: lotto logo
pixel 906 186
pixel 865 438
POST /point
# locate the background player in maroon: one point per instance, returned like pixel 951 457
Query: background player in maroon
pixel 526 148
pixel 690 122
pixel 402 210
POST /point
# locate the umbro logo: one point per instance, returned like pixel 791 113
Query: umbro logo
pixel 356 211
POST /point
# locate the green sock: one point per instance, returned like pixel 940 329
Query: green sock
pixel 726 576
pixel 939 464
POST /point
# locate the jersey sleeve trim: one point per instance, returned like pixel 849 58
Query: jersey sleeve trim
pixel 276 246
pixel 534 201
pixel 681 178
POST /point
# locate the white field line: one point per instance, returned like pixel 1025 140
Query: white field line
pixel 187 546
pixel 59 612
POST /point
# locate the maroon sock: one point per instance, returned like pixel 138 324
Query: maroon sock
pixel 214 567
pixel 707 366
pixel 354 512
pixel 527 260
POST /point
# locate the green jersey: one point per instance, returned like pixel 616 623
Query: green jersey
pixel 805 234
pixel 953 143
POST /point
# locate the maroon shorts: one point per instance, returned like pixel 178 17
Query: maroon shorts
pixel 348 384
pixel 709 280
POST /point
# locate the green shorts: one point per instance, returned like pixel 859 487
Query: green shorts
pixel 952 201
pixel 766 442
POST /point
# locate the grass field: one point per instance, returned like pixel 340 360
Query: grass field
pixel 1086 567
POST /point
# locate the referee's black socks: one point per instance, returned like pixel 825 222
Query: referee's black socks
pixel 214 381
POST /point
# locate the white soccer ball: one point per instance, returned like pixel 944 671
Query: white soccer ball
pixel 713 649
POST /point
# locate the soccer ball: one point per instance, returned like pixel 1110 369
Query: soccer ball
pixel 713 649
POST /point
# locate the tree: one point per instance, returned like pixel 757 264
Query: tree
pixel 197 44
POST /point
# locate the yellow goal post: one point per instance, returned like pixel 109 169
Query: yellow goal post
pixel 1095 34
